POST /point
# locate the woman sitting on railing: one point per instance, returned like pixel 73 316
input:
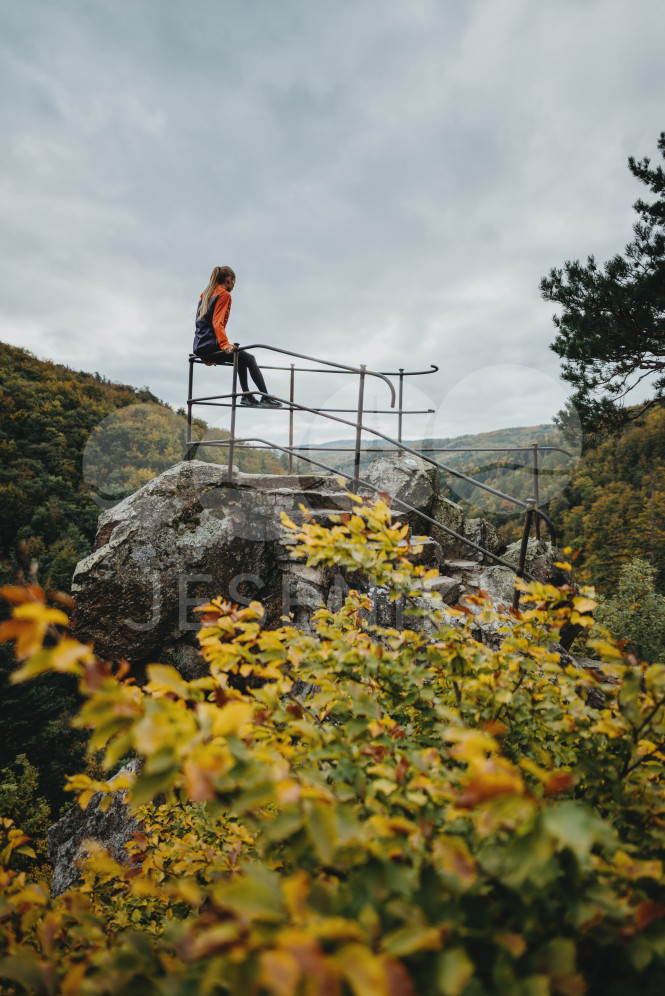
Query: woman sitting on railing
pixel 211 343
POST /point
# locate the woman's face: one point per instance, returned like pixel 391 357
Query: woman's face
pixel 229 283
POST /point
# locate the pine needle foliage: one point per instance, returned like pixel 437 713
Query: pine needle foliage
pixel 611 329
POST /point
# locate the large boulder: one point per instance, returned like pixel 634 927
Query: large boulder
pixel 180 540
pixel 484 534
pixel 540 562
pixel 451 515
pixel 409 479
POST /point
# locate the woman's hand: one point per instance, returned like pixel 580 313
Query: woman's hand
pixel 228 349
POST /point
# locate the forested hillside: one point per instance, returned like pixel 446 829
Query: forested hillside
pixel 505 468
pixel 47 413
pixel 612 508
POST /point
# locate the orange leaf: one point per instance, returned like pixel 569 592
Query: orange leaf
pixel 570 985
pixel 494 727
pixel 495 777
pixel 557 782
pixel 16 594
pixel 399 980
pixel 514 943
pixel 200 782
pixel 648 912
pixel 401 770
pixel 61 597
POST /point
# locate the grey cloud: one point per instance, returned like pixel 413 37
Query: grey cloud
pixel 388 180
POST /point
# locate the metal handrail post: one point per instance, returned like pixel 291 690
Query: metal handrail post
pixel 190 388
pixel 359 428
pixel 536 497
pixel 291 398
pixel 234 404
pixel 519 573
pixel 399 416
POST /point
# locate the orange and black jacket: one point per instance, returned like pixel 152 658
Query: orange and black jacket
pixel 210 331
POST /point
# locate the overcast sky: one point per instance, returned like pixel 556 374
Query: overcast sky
pixel 389 180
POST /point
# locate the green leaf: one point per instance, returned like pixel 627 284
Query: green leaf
pixel 148 786
pixel 454 969
pixel 255 894
pixel 557 958
pixel 322 829
pixel 573 824
pixel 410 938
pixel 24 968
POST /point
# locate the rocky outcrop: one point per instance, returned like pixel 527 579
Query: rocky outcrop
pixel 409 480
pixel 541 561
pixel 184 538
pixel 67 838
pixel 189 536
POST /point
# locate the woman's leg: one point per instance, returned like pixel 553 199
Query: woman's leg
pixel 249 363
pixel 242 373
pixel 220 358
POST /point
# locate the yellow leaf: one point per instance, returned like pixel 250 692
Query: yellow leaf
pixel 163 678
pixel 610 727
pixel 365 972
pixel 71 983
pixel 605 649
pixel 632 868
pixel 40 614
pixel 453 858
pixel 338 928
pixel 279 971
pixel 295 890
pixel 492 777
pixel 584 604
pixel 231 718
pixel 68 656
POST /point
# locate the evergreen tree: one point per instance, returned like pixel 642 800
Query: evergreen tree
pixel 611 331
pixel 636 613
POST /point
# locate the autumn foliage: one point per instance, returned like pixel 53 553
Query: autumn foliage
pixel 437 815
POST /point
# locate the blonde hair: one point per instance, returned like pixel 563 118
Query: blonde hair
pixel 218 276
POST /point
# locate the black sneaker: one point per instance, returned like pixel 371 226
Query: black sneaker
pixel 248 400
pixel 267 401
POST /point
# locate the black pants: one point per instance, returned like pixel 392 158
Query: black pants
pixel 246 363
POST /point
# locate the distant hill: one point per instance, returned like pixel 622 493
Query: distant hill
pixel 502 468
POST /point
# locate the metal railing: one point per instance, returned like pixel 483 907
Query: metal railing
pixel 534 448
pixel 376 489
pixel 530 506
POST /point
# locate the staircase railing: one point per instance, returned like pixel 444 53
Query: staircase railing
pixel 530 506
pixel 376 489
